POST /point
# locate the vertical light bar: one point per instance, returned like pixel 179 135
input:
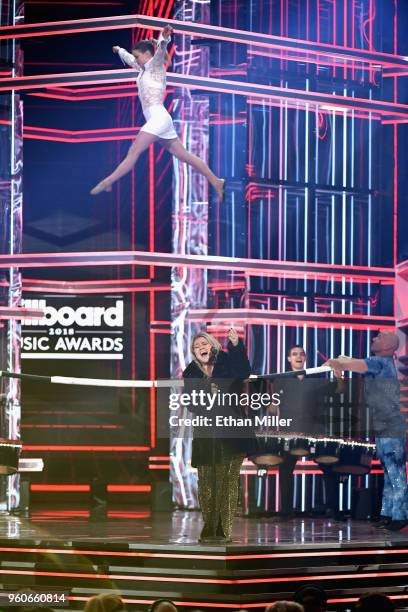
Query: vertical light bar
pixel 313 490
pixel 297 122
pixel 190 230
pixel 305 250
pixel 280 161
pixel 333 200
pixel 370 183
pixel 12 409
pixel 278 344
pixel 306 213
pixel 234 127
pixel 265 148
pixel 369 212
pixel 266 497
pixel 344 209
pixel 344 223
pixel 352 167
pixel 233 223
pixel 285 176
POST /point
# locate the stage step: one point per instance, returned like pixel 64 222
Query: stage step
pixel 204 576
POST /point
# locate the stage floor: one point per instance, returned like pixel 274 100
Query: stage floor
pixel 182 528
pixel 151 556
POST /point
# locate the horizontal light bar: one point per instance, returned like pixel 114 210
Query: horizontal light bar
pixel 111 488
pixel 148 554
pixel 252 267
pixel 74 356
pixel 88 93
pixel 10 313
pixel 132 285
pixel 79 136
pixel 255 316
pixel 132 577
pixel 268 92
pixel 256 39
pixel 84 448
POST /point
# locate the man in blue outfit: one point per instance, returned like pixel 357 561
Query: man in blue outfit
pixel 382 396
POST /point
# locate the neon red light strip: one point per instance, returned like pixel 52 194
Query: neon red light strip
pixel 253 267
pixel 206 604
pixel 20 313
pixel 240 88
pixel 323 59
pixel 272 317
pixel 336 110
pixel 110 553
pixel 80 136
pixel 159 458
pixel 201 604
pixel 128 488
pixel 122 285
pixel 111 488
pixel 72 3
pixel 86 513
pixel 178 578
pixel 60 487
pixel 87 449
pixel 89 93
pixel 208 31
pixel 43 426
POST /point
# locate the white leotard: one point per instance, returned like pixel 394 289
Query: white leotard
pixel 151 82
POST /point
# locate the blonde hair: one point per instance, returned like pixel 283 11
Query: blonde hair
pixel 214 343
pixel 285 606
pixel 106 602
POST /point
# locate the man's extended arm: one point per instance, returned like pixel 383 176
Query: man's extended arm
pixel 342 364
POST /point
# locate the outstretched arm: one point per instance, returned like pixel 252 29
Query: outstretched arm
pixel 126 57
pixel 164 39
pixel 348 364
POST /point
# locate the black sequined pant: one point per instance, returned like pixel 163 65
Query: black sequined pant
pixel 218 488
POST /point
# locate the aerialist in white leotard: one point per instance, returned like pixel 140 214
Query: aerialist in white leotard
pixel 151 79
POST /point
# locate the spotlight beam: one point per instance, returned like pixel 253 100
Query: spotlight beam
pixel 257 39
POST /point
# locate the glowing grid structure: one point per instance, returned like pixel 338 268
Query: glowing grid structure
pixel 297 190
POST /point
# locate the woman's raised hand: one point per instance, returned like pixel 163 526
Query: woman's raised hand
pixel 233 336
pixel 167 31
pixel 115 49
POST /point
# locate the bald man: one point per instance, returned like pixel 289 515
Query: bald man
pixel 382 396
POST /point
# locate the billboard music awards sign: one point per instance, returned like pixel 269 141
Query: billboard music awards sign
pixel 74 329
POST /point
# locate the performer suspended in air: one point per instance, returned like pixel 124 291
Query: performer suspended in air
pixel 217 453
pixel 150 60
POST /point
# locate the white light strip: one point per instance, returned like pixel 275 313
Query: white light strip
pixel 95 356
